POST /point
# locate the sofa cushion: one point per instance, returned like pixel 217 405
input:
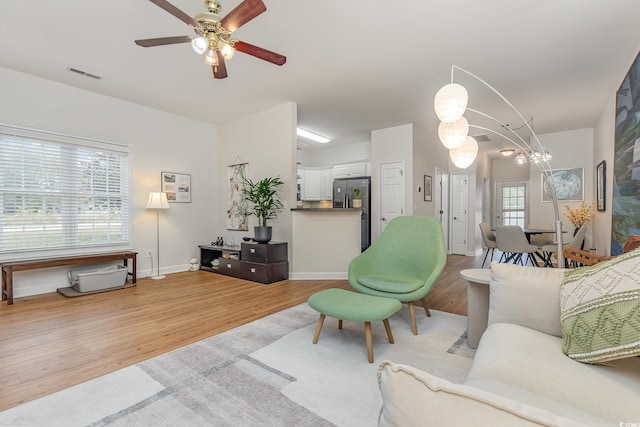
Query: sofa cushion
pixel 391 283
pixel 411 397
pixel 527 296
pixel 600 310
pixel 527 365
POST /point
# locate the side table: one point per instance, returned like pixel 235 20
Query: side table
pixel 477 303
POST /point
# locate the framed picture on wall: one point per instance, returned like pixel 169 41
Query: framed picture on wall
pixel 601 187
pixel 569 185
pixel 177 186
pixel 427 189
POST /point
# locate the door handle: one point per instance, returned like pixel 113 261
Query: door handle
pixel 383 218
pixel 455 217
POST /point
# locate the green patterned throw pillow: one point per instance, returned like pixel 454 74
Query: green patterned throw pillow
pixel 600 310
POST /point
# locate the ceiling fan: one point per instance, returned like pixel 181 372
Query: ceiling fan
pixel 213 34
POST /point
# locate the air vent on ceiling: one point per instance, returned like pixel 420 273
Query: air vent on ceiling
pixel 84 73
pixel 481 138
pixel 303 145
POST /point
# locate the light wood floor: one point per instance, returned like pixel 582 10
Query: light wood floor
pixel 49 342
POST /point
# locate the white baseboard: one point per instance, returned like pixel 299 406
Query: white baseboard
pixel 323 275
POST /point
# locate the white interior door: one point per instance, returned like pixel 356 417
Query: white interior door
pixel 391 192
pixel 459 201
pixel 441 192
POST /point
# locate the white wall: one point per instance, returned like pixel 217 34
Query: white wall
pixel 428 153
pixel 160 142
pixel 387 145
pixel 267 142
pixel 570 149
pixel 329 156
pixel 604 148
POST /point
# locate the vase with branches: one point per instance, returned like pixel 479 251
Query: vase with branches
pixel 263 199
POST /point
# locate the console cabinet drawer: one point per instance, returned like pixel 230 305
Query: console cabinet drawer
pixel 264 253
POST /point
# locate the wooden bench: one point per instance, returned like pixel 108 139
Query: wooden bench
pixel 9 267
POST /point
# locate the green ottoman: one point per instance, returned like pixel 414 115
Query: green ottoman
pixel 346 305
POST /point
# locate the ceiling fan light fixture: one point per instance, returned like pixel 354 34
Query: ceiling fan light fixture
pixel 521 159
pixel 211 58
pixel 227 50
pixel 199 45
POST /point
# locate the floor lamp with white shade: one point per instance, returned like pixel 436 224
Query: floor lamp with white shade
pixel 157 201
pixel 450 104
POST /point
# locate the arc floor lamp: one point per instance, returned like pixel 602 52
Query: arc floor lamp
pixel 157 201
pixel 450 104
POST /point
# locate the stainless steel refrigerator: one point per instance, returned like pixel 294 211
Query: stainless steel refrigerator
pixel 343 198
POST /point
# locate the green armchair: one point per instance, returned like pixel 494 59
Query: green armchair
pixel 403 263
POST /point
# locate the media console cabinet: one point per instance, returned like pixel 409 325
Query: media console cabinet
pixel 9 267
pixel 258 262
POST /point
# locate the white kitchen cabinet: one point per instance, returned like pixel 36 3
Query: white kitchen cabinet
pixel 317 184
pixel 349 170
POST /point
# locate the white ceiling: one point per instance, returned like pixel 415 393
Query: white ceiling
pixel 352 66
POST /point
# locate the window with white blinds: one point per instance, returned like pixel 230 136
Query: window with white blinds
pixel 61 192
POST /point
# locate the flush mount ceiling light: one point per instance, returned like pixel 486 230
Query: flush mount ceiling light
pixel 506 152
pixel 312 136
pixel 213 34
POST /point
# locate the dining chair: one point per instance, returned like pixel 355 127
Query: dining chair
pixel 576 242
pixel 511 240
pixel 488 241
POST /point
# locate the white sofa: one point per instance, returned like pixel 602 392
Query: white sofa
pixel 520 375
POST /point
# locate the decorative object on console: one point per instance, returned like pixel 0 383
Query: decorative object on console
pixel 177 187
pixel 213 34
pixel 263 200
pixel 157 201
pixel 450 104
pixel 601 186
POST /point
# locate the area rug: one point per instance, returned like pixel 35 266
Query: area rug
pixel 265 373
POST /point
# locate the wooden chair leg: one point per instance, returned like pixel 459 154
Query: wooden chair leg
pixel 414 324
pixel 424 304
pixel 339 323
pixel 367 334
pixel 318 329
pixel 388 328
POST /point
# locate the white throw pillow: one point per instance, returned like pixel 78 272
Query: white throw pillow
pixel 526 296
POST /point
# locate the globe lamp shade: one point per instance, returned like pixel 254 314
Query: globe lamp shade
pixel 450 102
pixel 464 155
pixel 453 135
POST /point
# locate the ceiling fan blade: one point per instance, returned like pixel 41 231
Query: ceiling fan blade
pixel 219 71
pixel 163 41
pixel 243 13
pixel 176 12
pixel 258 52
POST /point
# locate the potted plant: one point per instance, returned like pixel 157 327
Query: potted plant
pixel 263 200
pixel 357 201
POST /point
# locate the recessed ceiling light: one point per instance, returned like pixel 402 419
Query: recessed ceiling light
pixel 312 136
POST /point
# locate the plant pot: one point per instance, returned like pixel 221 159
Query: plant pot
pixel 357 203
pixel 262 234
